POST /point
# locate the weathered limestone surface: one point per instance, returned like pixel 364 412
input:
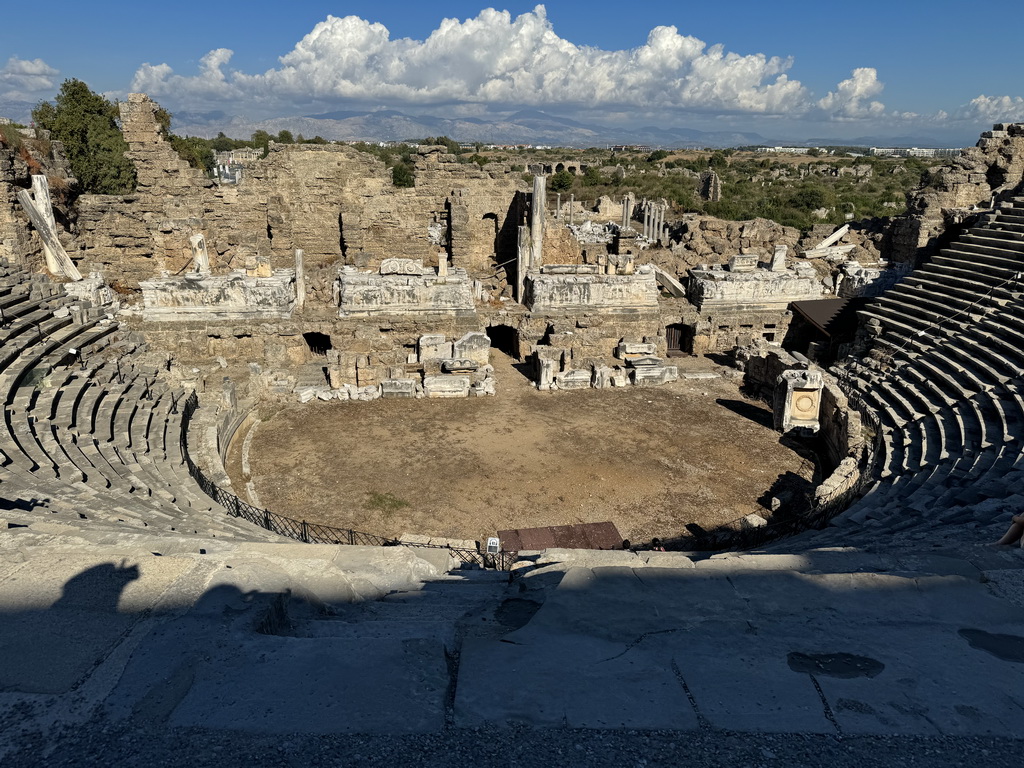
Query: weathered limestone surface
pixel 992 168
pixel 758 289
pixel 581 290
pixel 235 296
pixel 336 204
pixel 798 400
pixel 365 293
pixel 17 239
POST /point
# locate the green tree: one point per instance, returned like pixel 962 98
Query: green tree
pixel 261 140
pixel 561 181
pixel 285 137
pixel 593 178
pixel 85 123
pixel 402 175
pixel 222 143
pixel 193 150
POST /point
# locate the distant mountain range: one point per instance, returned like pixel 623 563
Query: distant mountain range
pixel 523 127
pixel 528 126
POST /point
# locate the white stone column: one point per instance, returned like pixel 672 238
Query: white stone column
pixel 537 220
pixel 300 279
pixel 200 256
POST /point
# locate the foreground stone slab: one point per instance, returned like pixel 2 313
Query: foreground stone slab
pixel 321 685
pixel 568 680
pixel 61 619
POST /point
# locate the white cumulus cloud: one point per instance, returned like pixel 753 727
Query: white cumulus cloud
pixel 495 60
pixel 26 78
pixel 992 109
pixel 853 97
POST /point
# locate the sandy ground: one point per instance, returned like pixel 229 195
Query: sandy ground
pixel 648 459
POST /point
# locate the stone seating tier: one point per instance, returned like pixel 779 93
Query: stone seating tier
pixel 92 437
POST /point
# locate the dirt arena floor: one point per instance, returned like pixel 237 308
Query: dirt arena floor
pixel 648 459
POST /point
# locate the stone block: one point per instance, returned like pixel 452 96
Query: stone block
pixel 367 393
pixel 446 386
pixel 654 375
pixel 546 370
pixel 602 377
pixel 743 263
pixel 401 267
pixel 434 347
pixel 643 361
pixel 574 379
pixel 398 388
pixel 473 346
pixel 752 521
pixel 486 386
pixel 459 366
pixel 626 348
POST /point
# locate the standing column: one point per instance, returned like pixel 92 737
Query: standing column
pixel 300 279
pixel 625 212
pixel 572 206
pixel 647 220
pixel 558 206
pixel 537 220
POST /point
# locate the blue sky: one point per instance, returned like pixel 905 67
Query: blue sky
pixel 797 69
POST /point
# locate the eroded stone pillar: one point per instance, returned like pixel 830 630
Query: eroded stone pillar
pixel 300 279
pixel 537 221
pixel 200 256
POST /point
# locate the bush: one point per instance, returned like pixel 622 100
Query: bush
pixel 86 123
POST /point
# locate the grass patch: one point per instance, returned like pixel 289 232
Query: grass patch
pixel 385 503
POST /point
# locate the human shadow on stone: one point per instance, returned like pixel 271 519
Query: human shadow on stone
pixel 98 588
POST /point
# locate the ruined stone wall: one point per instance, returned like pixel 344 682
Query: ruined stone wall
pixel 721 331
pixel 337 204
pixel 994 167
pixel 18 240
pixel 266 352
pixel 584 336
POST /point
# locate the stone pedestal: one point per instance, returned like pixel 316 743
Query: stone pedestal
pixel 798 400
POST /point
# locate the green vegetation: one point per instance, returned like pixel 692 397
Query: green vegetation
pixel 795 191
pixel 385 503
pixel 397 158
pixel 86 123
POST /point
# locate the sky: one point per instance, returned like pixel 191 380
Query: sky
pixel 796 69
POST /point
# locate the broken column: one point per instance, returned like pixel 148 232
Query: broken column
pixel 200 256
pixel 779 259
pixel 300 279
pixel 39 208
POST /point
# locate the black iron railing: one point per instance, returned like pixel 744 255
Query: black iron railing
pixel 314 533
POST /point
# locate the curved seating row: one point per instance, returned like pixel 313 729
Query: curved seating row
pixel 949 394
pixel 90 434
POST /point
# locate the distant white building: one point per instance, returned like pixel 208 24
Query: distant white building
pixel 914 151
pixel 786 150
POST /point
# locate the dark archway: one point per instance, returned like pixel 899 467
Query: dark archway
pixel 318 343
pixel 504 338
